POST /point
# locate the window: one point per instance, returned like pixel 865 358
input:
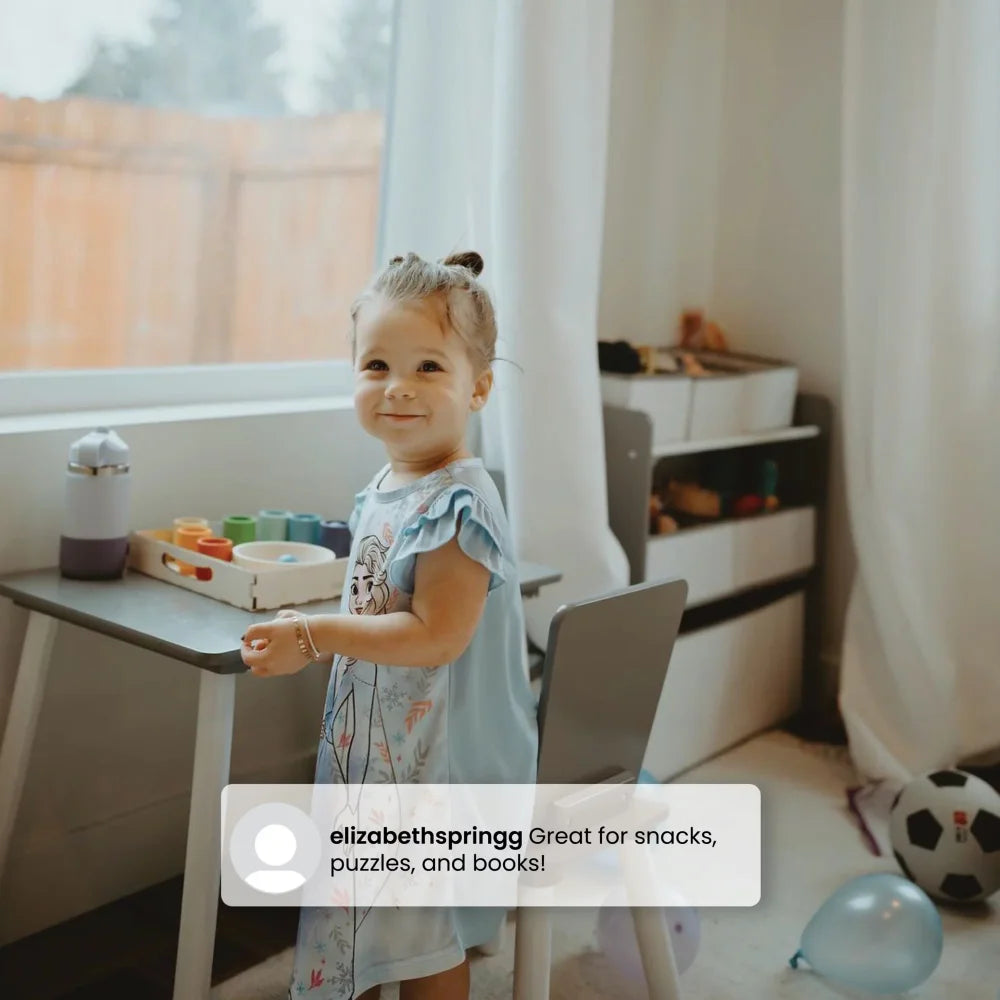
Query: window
pixel 186 183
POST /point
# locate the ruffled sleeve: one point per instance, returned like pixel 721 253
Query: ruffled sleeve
pixel 455 510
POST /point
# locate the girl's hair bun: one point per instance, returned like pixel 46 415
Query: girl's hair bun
pixel 468 259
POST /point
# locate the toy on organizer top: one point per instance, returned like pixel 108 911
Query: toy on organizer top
pixel 698 334
pixel 695 333
pixel 619 357
pixel 94 540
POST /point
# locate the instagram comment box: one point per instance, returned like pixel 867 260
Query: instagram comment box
pixel 491 845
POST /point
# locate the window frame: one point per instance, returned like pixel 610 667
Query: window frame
pixel 28 393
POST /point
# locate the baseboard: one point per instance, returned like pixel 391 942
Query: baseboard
pixel 96 864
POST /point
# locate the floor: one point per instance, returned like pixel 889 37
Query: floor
pixel 127 948
pixel 812 846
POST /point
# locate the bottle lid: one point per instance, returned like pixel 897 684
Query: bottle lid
pixel 100 448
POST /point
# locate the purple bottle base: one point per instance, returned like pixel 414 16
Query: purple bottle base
pixel 92 558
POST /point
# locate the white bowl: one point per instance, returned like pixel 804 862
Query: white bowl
pixel 260 556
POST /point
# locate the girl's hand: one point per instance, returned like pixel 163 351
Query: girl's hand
pixel 270 648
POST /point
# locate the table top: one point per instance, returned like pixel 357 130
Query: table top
pixel 170 620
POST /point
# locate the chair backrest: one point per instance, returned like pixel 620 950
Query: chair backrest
pixel 605 665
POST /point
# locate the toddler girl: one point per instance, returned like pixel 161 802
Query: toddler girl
pixel 427 682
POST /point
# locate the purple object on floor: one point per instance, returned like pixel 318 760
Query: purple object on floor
pixel 852 804
pixel 872 805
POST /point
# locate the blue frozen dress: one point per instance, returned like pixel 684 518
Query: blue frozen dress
pixel 470 721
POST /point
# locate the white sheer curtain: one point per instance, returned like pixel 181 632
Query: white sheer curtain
pixel 497 142
pixel 921 211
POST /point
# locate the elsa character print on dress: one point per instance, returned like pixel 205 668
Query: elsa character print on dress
pixel 368 585
pixel 427 681
pixel 369 595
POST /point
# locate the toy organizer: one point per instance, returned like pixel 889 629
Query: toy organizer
pixel 152 552
pixel 739 395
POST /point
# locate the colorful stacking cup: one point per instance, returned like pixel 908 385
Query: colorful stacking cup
pixel 336 536
pixel 240 528
pixel 187 536
pixel 187 522
pixel 272 525
pixel 217 548
pixel 304 528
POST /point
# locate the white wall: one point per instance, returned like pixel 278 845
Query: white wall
pixel 105 805
pixel 724 192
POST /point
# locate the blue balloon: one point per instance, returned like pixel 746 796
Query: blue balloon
pixel 879 933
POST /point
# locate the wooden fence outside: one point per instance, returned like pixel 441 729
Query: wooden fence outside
pixel 134 237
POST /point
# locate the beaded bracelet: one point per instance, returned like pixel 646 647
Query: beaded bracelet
pixel 309 650
pixel 317 655
pixel 300 640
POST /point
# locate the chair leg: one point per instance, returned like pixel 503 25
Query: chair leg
pixel 532 953
pixel 657 954
pixel 651 929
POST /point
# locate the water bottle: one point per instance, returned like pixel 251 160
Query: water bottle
pixel 94 541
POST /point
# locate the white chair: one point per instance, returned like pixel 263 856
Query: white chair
pixel 605 664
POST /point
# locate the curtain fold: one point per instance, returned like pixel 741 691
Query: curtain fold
pixel 497 142
pixel 920 685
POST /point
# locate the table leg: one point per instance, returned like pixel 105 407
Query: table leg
pixel 202 865
pixel 532 953
pixel 29 687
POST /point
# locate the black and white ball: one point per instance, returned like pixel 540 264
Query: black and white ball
pixel 945 833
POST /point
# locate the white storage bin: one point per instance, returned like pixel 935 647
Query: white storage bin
pixel 666 399
pixel 720 559
pixel 726 683
pixel 758 395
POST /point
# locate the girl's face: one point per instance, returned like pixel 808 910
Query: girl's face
pixel 414 385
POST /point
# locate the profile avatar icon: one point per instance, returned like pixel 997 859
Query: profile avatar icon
pixel 275 845
pixel 275 848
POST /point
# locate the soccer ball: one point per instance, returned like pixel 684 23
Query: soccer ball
pixel 945 834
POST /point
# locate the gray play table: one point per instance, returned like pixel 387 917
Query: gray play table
pixel 187 627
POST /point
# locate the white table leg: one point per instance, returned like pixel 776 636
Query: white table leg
pixel 202 865
pixel 532 953
pixel 29 687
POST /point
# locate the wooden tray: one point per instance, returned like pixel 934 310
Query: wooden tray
pixel 151 552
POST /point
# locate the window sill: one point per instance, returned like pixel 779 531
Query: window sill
pixel 134 416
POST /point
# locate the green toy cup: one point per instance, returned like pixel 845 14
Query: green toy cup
pixel 240 528
pixel 272 525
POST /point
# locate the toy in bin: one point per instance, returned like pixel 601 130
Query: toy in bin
pixel 721 492
pixel 660 522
